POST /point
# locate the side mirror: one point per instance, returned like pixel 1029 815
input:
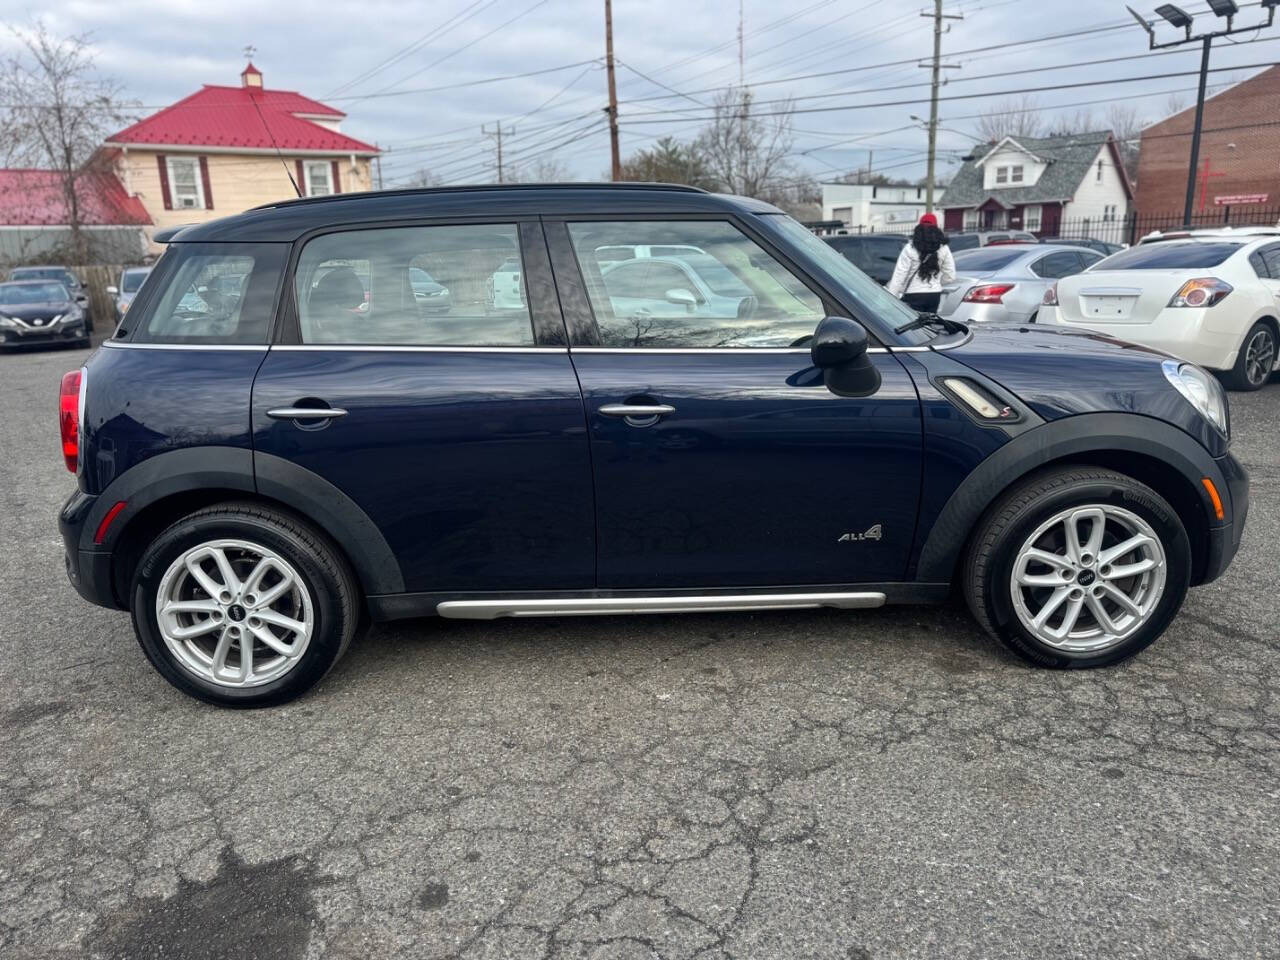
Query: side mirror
pixel 113 291
pixel 839 350
pixel 682 298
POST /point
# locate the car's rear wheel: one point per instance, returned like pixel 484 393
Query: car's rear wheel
pixel 1256 359
pixel 1078 567
pixel 242 605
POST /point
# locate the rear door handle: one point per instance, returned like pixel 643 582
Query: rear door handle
pixel 637 410
pixel 306 413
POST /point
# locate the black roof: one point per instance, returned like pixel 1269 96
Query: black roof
pixel 287 220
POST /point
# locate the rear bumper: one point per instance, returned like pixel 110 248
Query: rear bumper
pixel 1180 332
pixel 90 571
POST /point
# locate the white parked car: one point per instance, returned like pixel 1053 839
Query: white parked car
pixel 1210 297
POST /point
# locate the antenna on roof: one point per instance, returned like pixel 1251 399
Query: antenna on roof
pixel 287 172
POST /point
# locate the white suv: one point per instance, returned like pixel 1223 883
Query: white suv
pixel 1210 297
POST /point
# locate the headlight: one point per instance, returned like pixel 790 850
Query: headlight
pixel 1201 390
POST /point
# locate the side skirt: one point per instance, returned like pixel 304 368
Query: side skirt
pixel 488 606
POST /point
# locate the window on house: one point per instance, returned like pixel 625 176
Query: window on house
pixel 1002 174
pixel 1109 212
pixel 971 219
pixel 1015 174
pixel 185 190
pixel 1031 218
pixel 1099 171
pixel 318 179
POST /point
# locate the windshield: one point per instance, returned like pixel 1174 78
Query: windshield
pixel 131 282
pixel 14 293
pixel 39 273
pixel 1171 256
pixel 987 258
pixel 866 294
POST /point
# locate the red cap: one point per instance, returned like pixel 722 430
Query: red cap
pixel 929 219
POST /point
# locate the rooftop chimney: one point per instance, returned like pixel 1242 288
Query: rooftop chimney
pixel 251 76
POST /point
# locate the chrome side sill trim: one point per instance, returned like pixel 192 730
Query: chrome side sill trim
pixel 493 609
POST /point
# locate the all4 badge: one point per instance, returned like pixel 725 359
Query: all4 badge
pixel 873 533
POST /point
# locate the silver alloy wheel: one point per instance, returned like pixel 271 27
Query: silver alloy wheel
pixel 1260 356
pixel 234 613
pixel 1088 578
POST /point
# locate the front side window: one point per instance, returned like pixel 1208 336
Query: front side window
pixel 1271 257
pixel 414 286
pixel 212 293
pixel 185 190
pixel 719 290
pixel 318 178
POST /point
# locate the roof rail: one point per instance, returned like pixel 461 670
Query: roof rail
pixel 473 188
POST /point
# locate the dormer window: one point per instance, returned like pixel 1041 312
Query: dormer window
pixel 1015 174
pixel 1002 174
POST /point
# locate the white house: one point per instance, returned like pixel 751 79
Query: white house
pixel 1046 185
pixel 873 209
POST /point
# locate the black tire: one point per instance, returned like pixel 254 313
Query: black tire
pixel 1244 376
pixel 1007 525
pixel 334 595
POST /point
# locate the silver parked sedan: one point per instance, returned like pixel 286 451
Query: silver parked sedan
pixel 1005 283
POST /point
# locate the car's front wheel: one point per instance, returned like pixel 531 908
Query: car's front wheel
pixel 242 605
pixel 1078 567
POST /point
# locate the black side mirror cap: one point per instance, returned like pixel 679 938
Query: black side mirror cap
pixel 839 350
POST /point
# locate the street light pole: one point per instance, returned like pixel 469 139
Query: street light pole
pixel 1195 135
pixel 1179 18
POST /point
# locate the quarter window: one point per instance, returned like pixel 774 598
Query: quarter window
pixel 212 293
pixel 717 289
pixel 318 178
pixel 185 189
pixel 1271 257
pixel 415 286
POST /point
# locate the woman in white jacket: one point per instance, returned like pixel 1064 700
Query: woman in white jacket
pixel 924 266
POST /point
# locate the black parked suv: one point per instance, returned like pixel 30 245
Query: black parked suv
pixel 282 441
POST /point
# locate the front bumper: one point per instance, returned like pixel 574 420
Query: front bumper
pixel 36 336
pixel 90 571
pixel 1224 540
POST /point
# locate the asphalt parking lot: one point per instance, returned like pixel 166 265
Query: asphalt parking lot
pixel 861 785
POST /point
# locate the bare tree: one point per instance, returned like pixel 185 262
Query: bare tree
pixel 1020 116
pixel 55 112
pixel 423 177
pixel 1127 124
pixel 548 169
pixel 670 161
pixel 746 153
pixel 1175 103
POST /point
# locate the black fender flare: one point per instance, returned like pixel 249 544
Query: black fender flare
pixel 1059 439
pixel 240 469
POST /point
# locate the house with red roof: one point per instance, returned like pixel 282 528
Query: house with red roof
pixel 35 217
pixel 222 150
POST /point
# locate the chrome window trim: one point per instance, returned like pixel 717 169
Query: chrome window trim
pixel 407 348
pixel 129 345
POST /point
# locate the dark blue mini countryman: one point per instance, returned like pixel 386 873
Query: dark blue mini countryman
pixel 608 399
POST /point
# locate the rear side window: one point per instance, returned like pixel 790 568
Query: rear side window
pixel 1172 256
pixel 1056 265
pixel 211 293
pixel 987 258
pixel 417 286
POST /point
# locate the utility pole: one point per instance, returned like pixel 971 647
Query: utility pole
pixel 937 67
pixel 498 133
pixel 377 167
pixel 1180 19
pixel 614 158
pixel 744 105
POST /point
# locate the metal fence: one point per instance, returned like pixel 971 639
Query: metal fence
pixel 1128 229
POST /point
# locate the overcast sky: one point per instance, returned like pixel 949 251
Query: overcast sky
pixel 161 50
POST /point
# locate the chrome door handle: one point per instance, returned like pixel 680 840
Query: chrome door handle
pixel 637 410
pixel 306 413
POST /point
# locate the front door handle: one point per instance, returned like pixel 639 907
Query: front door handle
pixel 306 413
pixel 637 411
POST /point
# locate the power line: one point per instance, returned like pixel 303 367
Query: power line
pixel 466 83
pixel 968 96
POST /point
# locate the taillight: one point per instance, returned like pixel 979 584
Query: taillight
pixel 1201 292
pixel 988 293
pixel 1050 296
pixel 69 417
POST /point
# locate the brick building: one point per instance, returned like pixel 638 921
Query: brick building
pixel 1239 152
